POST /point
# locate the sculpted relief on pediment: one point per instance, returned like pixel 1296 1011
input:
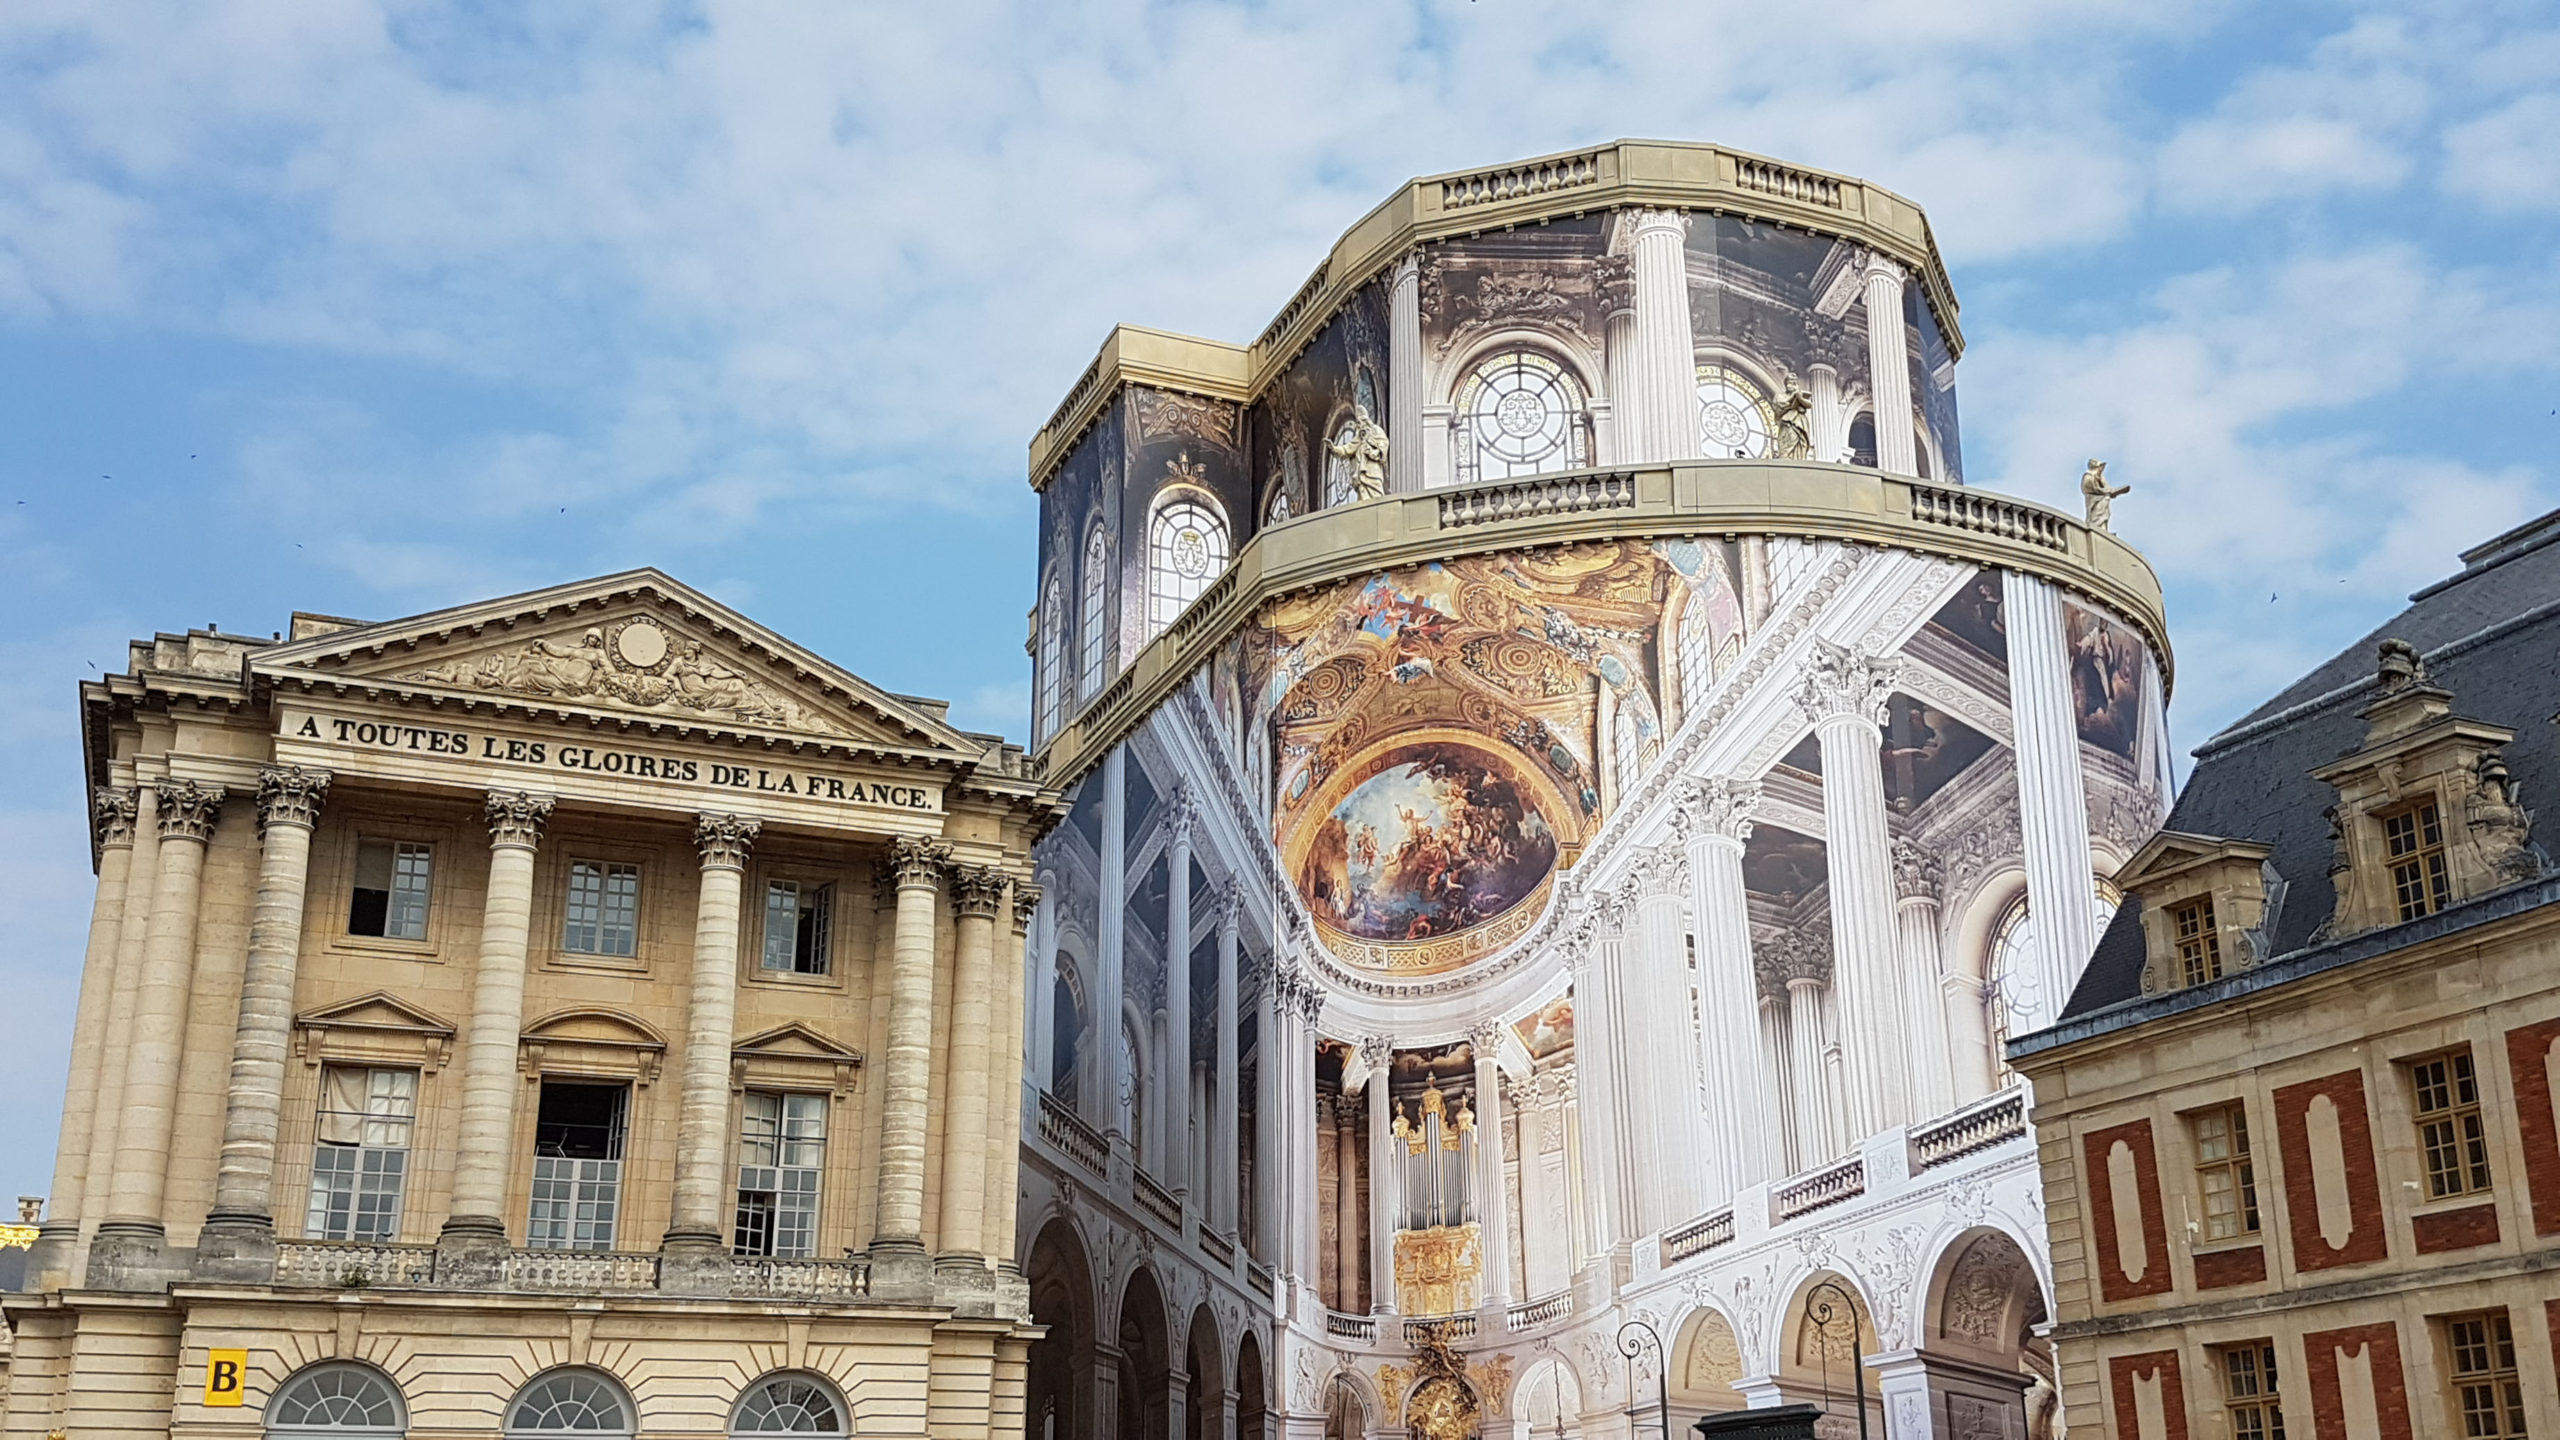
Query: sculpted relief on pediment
pixel 632 664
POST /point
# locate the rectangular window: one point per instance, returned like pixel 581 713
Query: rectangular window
pixel 604 909
pixel 796 920
pixel 2199 945
pixel 2249 1390
pixel 577 1166
pixel 390 898
pixel 360 1161
pixel 782 1152
pixel 2455 1143
pixel 2226 1177
pixel 2487 1392
pixel 2413 839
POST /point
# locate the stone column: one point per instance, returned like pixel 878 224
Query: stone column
pixel 49 1259
pixel 1889 367
pixel 1541 1266
pixel 1223 1175
pixel 1112 928
pixel 1593 953
pixel 475 1229
pixel 1844 694
pixel 1346 1205
pixel 238 1242
pixel 696 1243
pixel 1809 1071
pixel 1040 1026
pixel 1309 998
pixel 133 932
pixel 915 867
pixel 1668 368
pixel 1378 1053
pixel 1917 874
pixel 128 1252
pixel 1270 1120
pixel 1616 276
pixel 1664 1090
pixel 1493 1204
pixel 1174 1102
pixel 977 896
pixel 1005 1092
pixel 2053 806
pixel 1404 376
pixel 1715 821
pixel 1827 425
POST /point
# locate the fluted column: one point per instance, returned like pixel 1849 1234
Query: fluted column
pixel 1004 1082
pixel 1668 368
pixel 133 933
pixel 2053 806
pixel 1827 425
pixel 1493 1202
pixel 489 1084
pixel 1542 1268
pixel 1346 1205
pixel 703 1124
pixel 1308 998
pixel 1270 1209
pixel 977 896
pixel 1664 1091
pixel 1174 1101
pixel 1809 1071
pixel 1624 437
pixel 915 867
pixel 114 812
pixel 127 1253
pixel 1715 821
pixel 1111 940
pixel 1404 376
pixel 1223 1173
pixel 1889 367
pixel 1917 874
pixel 1378 1054
pixel 1593 953
pixel 1039 1057
pixel 1844 694
pixel 238 1242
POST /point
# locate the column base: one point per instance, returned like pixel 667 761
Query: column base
pixel 49 1259
pixel 694 1262
pixel 901 1271
pixel 237 1247
pixel 963 1282
pixel 471 1253
pixel 135 1255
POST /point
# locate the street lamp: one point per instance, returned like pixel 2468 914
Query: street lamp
pixel 1632 1346
pixel 1820 1315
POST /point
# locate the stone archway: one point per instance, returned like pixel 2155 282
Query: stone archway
pixel 1059 1399
pixel 1987 1368
pixel 1204 1394
pixel 1146 1361
pixel 1819 1357
pixel 1706 1360
pixel 1253 1391
pixel 1346 1411
pixel 1548 1402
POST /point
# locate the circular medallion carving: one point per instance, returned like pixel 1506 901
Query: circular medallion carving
pixel 640 645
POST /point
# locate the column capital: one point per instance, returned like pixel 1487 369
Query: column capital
pixel 1791 957
pixel 1918 873
pixel 117 808
pixel 977 891
pixel 916 864
pixel 1484 1036
pixel 1226 910
pixel 1179 816
pixel 1874 265
pixel 1717 809
pixel 1843 683
pixel 1026 901
pixel 1662 871
pixel 290 795
pixel 516 817
pixel 1655 222
pixel 1377 1051
pixel 1408 267
pixel 188 810
pixel 1616 278
pixel 724 840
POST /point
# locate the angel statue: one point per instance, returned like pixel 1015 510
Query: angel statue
pixel 2098 495
pixel 1793 440
pixel 1367 452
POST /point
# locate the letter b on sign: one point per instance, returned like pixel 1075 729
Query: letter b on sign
pixel 223 1372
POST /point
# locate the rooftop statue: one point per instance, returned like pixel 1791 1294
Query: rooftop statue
pixel 2100 497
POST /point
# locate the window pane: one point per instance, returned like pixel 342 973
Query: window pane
pixel 781 923
pixel 360 1160
pixel 809 937
pixel 411 865
pixel 781 1159
pixel 369 907
pixel 581 925
pixel 621 918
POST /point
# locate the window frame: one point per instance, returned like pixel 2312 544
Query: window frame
pixel 1573 448
pixel 805 883
pixel 1165 602
pixel 2195 936
pixel 608 864
pixel 578 1182
pixel 2502 1369
pixel 612 1385
pixel 2239 1163
pixel 2427 859
pixel 310 1374
pixel 825 1387
pixel 366 1119
pixel 823 1104
pixel 2261 1403
pixel 1050 646
pixel 1093 615
pixel 2470 1142
pixel 400 844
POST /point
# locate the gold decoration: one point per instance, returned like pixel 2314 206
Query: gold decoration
pixel 1492 1381
pixel 17 1237
pixel 1444 1405
pixel 1438 1270
pixel 1392 1380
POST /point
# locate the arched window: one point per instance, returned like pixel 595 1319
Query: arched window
pixel 790 1405
pixel 1862 440
pixel 1734 418
pixel 573 1401
pixel 1520 413
pixel 1186 548
pixel 1053 684
pixel 2012 989
pixel 341 1400
pixel 1626 744
pixel 1091 619
pixel 1066 1036
pixel 1129 1106
pixel 1697 651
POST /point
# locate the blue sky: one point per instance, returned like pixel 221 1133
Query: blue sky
pixel 370 308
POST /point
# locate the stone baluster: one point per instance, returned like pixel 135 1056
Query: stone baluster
pixel 1844 694
pixel 1917 876
pixel 237 1244
pixel 915 867
pixel 128 1253
pixel 49 1259
pixel 1224 1163
pixel 977 897
pixel 1715 821
pixel 2053 807
pixel 475 1228
pixel 696 1244
pixel 1889 367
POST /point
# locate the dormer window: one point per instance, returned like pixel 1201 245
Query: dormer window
pixel 2199 947
pixel 2413 841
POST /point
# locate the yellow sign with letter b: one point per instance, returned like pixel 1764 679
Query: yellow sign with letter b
pixel 224 1374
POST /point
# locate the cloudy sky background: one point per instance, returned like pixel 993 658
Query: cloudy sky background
pixel 372 308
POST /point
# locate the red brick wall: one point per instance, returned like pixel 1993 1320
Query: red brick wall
pixel 2124 1369
pixel 2112 1282
pixel 2365 1240
pixel 2381 1345
pixel 2222 1269
pixel 2529 1066
pixel 2464 1229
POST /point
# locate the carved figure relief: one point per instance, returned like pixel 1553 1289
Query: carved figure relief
pixel 638 664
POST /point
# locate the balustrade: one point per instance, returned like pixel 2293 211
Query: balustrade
pixel 1066 1132
pixel 1827 1186
pixel 1990 1121
pixel 1698 1237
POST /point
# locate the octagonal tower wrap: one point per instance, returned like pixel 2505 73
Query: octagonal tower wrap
pixel 1570 790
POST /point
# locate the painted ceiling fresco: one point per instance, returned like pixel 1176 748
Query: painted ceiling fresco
pixel 1436 734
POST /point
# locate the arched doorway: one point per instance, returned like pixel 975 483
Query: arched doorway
pixel 1204 1386
pixel 1549 1401
pixel 1059 1402
pixel 1146 1361
pixel 1821 1360
pixel 1985 1307
pixel 1346 1415
pixel 1253 1406
pixel 1705 1363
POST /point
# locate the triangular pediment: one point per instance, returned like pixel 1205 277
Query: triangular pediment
pixel 633 644
pixel 796 1041
pixel 2170 852
pixel 380 1010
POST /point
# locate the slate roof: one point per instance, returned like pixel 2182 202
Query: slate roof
pixel 2490 635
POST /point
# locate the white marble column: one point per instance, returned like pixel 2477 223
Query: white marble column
pixel 477 1214
pixel 1624 435
pixel 1308 1001
pixel 48 1261
pixel 1346 1205
pixel 1223 1174
pixel 1889 364
pixel 1827 426
pixel 1174 1103
pixel 1917 875
pixel 1809 1072
pixel 1404 377
pixel 1593 952
pixel 1715 821
pixel 238 1239
pixel 977 898
pixel 127 1253
pixel 1493 1201
pixel 1667 347
pixel 1040 1057
pixel 1844 694
pixel 2053 805
pixel 916 868
pixel 1377 1053
pixel 1270 1119
pixel 1662 1087
pixel 1112 927
pixel 142 878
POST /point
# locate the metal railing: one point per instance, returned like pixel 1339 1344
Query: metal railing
pixel 1698 1237
pixel 1990 1121
pixel 1065 1131
pixel 1544 1310
pixel 1827 1186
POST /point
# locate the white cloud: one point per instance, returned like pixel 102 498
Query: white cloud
pixel 2508 159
